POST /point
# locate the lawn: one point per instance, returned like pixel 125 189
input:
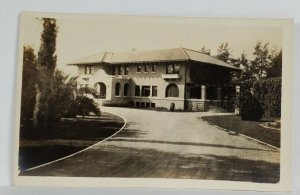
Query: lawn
pixel 249 128
pixel 39 146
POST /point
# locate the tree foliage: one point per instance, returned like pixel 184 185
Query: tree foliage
pixel 46 55
pixel 205 50
pixel 29 79
pixel 261 62
pixel 275 69
pixel 223 52
pixel 46 65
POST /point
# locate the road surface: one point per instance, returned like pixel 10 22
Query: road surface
pixel 171 145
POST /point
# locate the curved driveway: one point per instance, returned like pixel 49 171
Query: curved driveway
pixel 171 145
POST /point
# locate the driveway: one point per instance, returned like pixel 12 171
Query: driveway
pixel 171 145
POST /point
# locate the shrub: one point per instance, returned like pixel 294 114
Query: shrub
pixel 268 93
pixel 82 105
pixel 250 107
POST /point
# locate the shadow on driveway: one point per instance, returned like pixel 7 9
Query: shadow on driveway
pixel 187 144
pixel 113 161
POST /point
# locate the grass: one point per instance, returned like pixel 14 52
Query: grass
pixel 249 128
pixel 40 145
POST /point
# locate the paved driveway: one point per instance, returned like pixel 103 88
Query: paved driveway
pixel 171 145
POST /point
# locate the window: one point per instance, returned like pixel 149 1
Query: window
pixel 126 70
pixel 113 70
pixel 153 68
pixel 154 91
pixel 147 104
pixel 176 68
pixel 152 105
pixel 172 90
pixel 87 69
pixel 119 70
pixel 138 68
pixel 170 68
pixel 145 91
pixel 173 68
pixel 138 104
pixel 146 68
pixel 137 90
pixel 126 89
pixel 117 89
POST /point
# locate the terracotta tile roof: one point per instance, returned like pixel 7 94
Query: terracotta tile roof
pixel 161 55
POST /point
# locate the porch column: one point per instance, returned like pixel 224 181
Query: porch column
pixel 237 97
pixel 219 93
pixel 203 92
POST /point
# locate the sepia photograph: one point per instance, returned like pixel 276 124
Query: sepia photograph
pixel 153 101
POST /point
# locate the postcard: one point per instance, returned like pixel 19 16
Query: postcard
pixel 160 102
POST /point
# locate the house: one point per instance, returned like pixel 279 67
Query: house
pixel 190 79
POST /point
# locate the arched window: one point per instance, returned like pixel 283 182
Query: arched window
pixel 101 90
pixel 117 89
pixel 126 89
pixel 172 90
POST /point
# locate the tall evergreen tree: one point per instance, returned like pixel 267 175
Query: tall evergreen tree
pixel 46 64
pixel 29 79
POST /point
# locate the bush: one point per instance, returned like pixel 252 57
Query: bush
pixel 268 93
pixel 82 105
pixel 250 108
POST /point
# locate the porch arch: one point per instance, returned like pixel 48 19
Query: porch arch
pixel 172 90
pixel 101 90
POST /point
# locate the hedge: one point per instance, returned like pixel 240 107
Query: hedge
pixel 268 93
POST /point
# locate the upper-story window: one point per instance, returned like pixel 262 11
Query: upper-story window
pixel 126 69
pixel 87 69
pixel 138 68
pixel 146 68
pixel 117 89
pixel 119 70
pixel 113 70
pixel 153 69
pixel 173 68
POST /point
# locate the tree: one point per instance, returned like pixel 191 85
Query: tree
pixel 82 104
pixel 245 78
pixel 276 65
pixel 46 65
pixel 223 52
pixel 261 62
pixel 29 79
pixel 61 97
pixel 205 51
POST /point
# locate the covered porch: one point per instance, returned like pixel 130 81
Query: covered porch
pixel 202 97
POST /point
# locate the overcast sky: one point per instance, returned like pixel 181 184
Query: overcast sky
pixel 84 35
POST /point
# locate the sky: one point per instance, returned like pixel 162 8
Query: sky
pixel 83 35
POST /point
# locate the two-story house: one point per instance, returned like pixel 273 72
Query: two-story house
pixel 189 79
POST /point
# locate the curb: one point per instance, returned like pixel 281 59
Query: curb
pixel 240 134
pixel 80 151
